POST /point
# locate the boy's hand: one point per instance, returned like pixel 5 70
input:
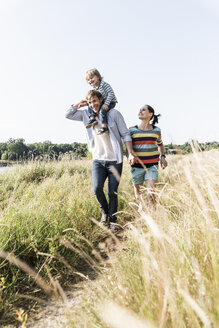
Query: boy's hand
pixel 105 107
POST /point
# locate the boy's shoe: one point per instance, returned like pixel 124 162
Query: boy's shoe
pixel 103 130
pixel 104 219
pixel 113 227
pixel 91 122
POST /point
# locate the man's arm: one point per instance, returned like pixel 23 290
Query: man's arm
pixel 122 128
pixel 73 113
pixel 125 134
pixel 129 152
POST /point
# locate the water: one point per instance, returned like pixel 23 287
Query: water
pixel 4 169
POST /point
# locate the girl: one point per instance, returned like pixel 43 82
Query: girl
pixel 94 78
pixel 147 147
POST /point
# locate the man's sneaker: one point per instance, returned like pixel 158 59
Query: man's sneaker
pixel 91 123
pixel 103 130
pixel 113 227
pixel 104 219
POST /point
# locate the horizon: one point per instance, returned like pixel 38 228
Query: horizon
pixel 56 143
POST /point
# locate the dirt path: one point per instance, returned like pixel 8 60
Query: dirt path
pixel 56 313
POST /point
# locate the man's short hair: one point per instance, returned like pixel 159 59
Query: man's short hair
pixel 93 93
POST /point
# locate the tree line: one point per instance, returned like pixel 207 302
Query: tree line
pixel 187 147
pixel 17 149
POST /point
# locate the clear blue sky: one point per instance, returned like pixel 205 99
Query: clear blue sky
pixel 162 53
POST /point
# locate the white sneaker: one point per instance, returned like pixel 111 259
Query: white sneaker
pixel 113 227
pixel 104 220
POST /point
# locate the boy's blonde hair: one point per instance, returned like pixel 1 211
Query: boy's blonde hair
pixel 92 72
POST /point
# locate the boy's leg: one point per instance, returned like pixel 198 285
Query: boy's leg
pixel 104 121
pixel 92 120
pixel 91 112
pixel 103 117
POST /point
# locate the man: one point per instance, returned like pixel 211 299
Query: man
pixel 107 152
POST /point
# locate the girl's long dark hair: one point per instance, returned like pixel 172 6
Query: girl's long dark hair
pixel 154 117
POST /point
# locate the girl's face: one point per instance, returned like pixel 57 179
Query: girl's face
pixel 144 113
pixel 93 80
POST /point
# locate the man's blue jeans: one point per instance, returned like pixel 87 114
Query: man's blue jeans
pixel 101 170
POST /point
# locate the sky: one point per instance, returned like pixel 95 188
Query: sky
pixel 161 53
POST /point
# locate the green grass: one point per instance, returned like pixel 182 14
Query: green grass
pixel 43 205
pixel 163 274
pixel 167 273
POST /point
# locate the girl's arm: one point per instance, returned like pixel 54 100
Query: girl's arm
pixel 163 161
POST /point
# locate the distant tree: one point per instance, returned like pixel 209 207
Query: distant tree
pixel 4 156
pixel 17 149
pixel 3 148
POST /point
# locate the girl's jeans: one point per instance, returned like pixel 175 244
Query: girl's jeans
pixel 101 170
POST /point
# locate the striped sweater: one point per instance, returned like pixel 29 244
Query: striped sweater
pixel 145 145
pixel 107 92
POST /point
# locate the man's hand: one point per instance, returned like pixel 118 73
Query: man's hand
pixel 82 103
pixel 105 107
pixel 163 162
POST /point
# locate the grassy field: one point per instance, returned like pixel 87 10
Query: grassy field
pixel 165 273
pixel 46 212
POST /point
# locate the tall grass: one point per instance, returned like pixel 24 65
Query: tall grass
pixel 167 273
pixel 43 208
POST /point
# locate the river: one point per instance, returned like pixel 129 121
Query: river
pixel 4 168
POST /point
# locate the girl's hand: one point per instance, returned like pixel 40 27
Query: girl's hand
pixel 163 162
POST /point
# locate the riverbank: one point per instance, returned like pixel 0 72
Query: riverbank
pixel 5 163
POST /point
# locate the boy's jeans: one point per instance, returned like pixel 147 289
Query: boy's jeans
pixel 103 113
pixel 100 171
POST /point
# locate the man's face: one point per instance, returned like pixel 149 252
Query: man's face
pixel 95 103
